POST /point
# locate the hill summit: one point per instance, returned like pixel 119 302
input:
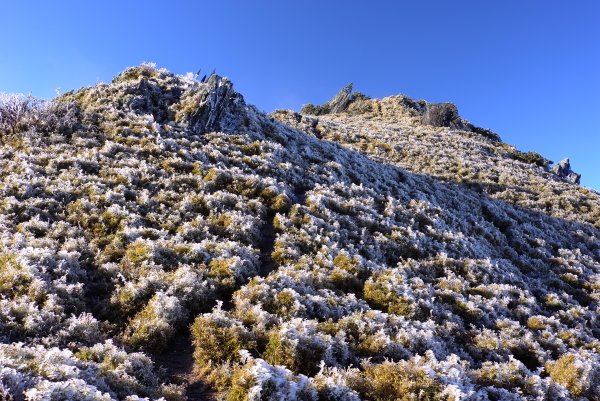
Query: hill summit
pixel 163 239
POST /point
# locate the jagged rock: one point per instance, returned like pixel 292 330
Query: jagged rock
pixel 215 100
pixel 341 100
pixel 563 169
pixel 207 105
pixel 337 104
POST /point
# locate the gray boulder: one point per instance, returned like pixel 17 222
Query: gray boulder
pixel 563 170
pixel 443 115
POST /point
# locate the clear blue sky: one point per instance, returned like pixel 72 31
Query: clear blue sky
pixel 530 70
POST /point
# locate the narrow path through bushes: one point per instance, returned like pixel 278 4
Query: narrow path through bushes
pixel 178 362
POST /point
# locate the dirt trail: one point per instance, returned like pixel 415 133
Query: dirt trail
pixel 178 361
pixel 299 196
pixel 268 237
pixel 266 246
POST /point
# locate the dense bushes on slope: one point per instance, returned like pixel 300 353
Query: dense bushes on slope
pixel 304 269
pixel 392 131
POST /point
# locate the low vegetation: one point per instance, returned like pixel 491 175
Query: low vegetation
pixel 351 256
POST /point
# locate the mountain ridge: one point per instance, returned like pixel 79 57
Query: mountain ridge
pixel 407 261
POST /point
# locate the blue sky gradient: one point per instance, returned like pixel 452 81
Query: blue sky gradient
pixel 529 70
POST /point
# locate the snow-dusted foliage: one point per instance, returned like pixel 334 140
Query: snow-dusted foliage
pixel 101 372
pixel 391 130
pixel 13 108
pixel 328 262
pixel 21 114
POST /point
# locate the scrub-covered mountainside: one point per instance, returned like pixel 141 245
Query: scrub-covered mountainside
pixel 162 239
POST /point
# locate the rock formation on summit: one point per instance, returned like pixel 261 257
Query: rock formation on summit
pixel 443 115
pixel 216 105
pixel 341 100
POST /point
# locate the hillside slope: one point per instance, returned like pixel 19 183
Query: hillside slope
pixel 353 255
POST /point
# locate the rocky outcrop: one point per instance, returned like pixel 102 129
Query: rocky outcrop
pixel 443 115
pixel 341 101
pixel 337 104
pixel 216 106
pixel 563 170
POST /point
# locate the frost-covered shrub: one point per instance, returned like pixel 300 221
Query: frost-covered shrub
pixel 154 325
pixel 398 381
pixel 218 341
pixel 15 277
pixel 532 158
pixel 511 375
pixel 442 115
pixel 62 117
pixel 101 372
pixel 217 178
pixel 296 351
pixel 145 70
pixel 332 384
pixel 364 255
pixel 384 294
pixel 84 329
pixel 579 374
pixel 21 113
pixel 315 110
pixel 258 380
pixel 14 108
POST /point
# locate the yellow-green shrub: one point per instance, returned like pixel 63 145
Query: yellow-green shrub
pixel 222 273
pixel 14 279
pixel 154 325
pixel 299 355
pixel 567 372
pixel 218 341
pixel 136 254
pixel 380 296
pixel 402 381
